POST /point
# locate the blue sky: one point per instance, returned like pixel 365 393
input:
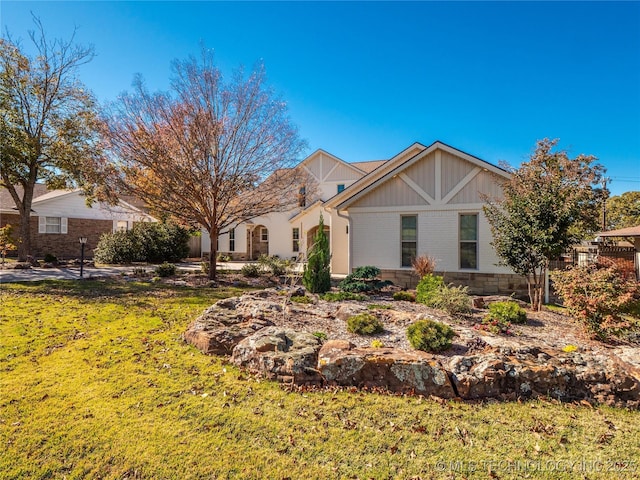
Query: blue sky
pixel 364 80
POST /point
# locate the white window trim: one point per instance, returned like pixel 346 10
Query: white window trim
pixel 232 239
pixel 295 240
pixel 476 241
pixel 402 241
pixel 116 222
pixel 63 222
pixel 264 232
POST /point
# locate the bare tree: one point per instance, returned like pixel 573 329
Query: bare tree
pixel 210 153
pixel 48 124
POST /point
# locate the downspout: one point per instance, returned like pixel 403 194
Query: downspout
pixel 349 233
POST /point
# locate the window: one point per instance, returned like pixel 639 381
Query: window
pixel 232 240
pixel 296 239
pixel 264 234
pixel 340 187
pixel 469 241
pixel 121 226
pixel 409 238
pixel 52 225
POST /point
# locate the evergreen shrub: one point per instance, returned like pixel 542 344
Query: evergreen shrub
pixel 430 336
pixel 364 324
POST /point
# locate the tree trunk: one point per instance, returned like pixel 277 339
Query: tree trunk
pixel 213 254
pixel 24 231
pixel 535 285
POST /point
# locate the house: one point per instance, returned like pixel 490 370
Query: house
pixel 626 256
pixel 424 200
pixel 60 217
pixel 289 234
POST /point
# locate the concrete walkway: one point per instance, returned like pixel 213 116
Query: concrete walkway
pixel 73 273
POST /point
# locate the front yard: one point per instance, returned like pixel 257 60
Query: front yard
pixel 96 382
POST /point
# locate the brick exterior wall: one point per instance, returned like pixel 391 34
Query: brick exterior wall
pixel 478 283
pixel 63 246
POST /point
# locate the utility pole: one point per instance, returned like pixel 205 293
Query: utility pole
pixel 605 196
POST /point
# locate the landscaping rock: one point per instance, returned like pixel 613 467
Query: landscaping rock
pixel 531 373
pixel 280 354
pixel 218 330
pixel 479 365
pixel 341 363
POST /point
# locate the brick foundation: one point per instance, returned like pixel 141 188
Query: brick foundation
pixel 478 283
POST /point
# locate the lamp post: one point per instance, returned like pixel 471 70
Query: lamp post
pixel 83 242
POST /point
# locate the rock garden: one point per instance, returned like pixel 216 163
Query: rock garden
pixel 459 347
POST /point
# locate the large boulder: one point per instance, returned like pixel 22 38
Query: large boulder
pixel 280 354
pixel 530 372
pixel 221 328
pixel 341 363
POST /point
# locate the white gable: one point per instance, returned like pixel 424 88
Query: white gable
pixel 71 204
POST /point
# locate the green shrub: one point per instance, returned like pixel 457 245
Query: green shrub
pixel 321 336
pixel 453 300
pixel 250 270
pixel 166 269
pixel 363 279
pixel 204 268
pixel 364 324
pixel 430 336
pixel 301 299
pixel 139 272
pixel 377 344
pixel 50 258
pixel 317 276
pixel 378 306
pixel 273 264
pixel 223 257
pixel 145 242
pixel 404 296
pixel 427 288
pixel 342 296
pixel 507 311
pixel 496 325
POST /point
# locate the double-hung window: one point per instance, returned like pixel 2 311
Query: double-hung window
pixel 409 238
pixel 232 240
pixel 469 240
pixel 52 225
pixel 264 234
pixel 296 239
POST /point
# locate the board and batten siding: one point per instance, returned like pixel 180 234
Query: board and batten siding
pixel 329 172
pixel 376 237
pixel 437 189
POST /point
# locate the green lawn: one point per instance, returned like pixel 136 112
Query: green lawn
pixel 96 382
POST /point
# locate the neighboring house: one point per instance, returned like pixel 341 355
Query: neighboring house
pixel 625 255
pixel 423 201
pixel 60 217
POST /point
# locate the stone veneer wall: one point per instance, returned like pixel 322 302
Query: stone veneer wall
pixel 64 246
pixel 478 283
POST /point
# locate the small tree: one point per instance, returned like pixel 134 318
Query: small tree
pixel 6 241
pixel 549 204
pixel 317 277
